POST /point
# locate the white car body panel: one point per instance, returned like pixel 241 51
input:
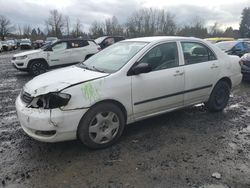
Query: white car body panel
pixel 89 87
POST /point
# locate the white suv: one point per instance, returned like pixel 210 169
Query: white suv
pixel 126 82
pixel 60 53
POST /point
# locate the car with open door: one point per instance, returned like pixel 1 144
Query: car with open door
pixel 60 53
pixel 129 81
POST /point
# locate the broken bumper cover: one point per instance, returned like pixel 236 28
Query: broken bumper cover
pixel 48 125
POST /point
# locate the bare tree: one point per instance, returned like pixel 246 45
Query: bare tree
pixel 67 24
pixel 5 27
pixel 20 33
pixel 196 28
pixel 112 27
pixel 77 31
pixel 96 29
pixel 26 31
pixel 55 23
pixel 148 22
pixel 215 30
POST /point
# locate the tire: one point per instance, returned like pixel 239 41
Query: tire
pixel 38 67
pixel 219 97
pixel 101 126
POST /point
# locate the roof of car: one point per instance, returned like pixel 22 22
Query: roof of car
pixel 159 38
pixel 73 39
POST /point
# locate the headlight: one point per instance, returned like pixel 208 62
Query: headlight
pixel 21 57
pixel 50 101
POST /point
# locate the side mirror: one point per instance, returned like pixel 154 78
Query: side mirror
pixel 141 68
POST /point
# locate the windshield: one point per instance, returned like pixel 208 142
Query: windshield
pixel 100 39
pixel 114 57
pixel 225 46
pixel 25 40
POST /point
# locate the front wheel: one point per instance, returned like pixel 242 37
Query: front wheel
pixel 37 67
pixel 101 126
pixel 219 97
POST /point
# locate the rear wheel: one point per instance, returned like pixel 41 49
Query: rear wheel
pixel 219 97
pixel 38 67
pixel 101 126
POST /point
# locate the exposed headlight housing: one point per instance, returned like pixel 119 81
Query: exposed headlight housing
pixel 21 57
pixel 50 101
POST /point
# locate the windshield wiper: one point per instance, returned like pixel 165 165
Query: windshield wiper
pixel 98 70
pixel 85 66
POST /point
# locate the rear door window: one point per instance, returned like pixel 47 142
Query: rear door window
pixel 196 53
pixel 78 44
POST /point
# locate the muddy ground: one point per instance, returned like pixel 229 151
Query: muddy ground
pixel 180 149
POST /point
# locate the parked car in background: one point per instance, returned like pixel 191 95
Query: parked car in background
pixel 124 83
pixel 6 46
pixel 245 66
pixel 60 53
pixel 50 40
pixel 106 41
pixel 12 44
pixel 38 44
pixel 219 39
pixel 25 44
pixel 238 48
pixel 243 39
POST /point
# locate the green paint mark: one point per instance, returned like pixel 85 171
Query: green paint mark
pixel 90 92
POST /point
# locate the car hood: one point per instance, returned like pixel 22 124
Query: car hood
pixel 27 53
pixel 57 80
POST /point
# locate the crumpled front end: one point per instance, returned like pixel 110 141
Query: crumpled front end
pixel 48 125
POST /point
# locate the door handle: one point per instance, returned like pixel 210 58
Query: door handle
pixel 178 73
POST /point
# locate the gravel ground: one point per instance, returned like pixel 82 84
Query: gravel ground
pixel 179 149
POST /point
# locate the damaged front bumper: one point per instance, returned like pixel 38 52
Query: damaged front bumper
pixel 49 125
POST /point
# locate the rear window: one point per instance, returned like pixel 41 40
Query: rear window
pixel 78 44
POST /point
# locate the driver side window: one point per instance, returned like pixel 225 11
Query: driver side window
pixel 163 56
pixel 60 46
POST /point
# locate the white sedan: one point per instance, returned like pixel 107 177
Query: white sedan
pixel 129 81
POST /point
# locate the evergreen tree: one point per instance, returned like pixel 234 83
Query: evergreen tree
pixel 245 23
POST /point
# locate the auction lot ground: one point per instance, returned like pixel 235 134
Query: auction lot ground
pixel 180 149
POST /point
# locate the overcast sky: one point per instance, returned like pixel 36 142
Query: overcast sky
pixel 34 12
